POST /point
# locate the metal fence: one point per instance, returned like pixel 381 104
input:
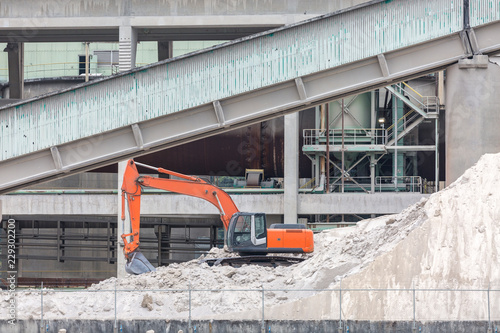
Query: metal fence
pixel 414 306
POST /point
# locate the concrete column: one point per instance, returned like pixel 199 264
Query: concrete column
pixel 123 226
pixel 317 159
pixel 291 180
pixel 3 248
pixel 128 51
pixel 398 158
pixel 128 47
pixel 440 88
pixel 372 172
pixel 16 69
pixel 165 50
pixel 472 113
pixel 373 125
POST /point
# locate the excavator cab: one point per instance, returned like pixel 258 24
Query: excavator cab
pixel 247 233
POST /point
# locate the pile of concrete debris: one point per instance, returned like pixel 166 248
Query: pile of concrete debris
pixel 446 241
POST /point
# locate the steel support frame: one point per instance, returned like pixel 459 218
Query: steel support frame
pixel 103 241
pixel 60 244
pixel 255 106
pixel 344 173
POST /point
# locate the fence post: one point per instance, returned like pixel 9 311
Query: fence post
pixel 41 307
pixel 489 313
pixel 263 328
pixel 190 328
pixel 414 317
pixel 340 307
pixel 115 328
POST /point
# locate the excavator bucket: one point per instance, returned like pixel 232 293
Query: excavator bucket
pixel 138 264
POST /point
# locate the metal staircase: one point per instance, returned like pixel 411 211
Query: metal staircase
pixel 245 81
pixel 422 107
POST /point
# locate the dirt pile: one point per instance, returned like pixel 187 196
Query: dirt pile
pixel 446 241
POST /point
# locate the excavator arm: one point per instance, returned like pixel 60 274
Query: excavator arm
pixel 132 186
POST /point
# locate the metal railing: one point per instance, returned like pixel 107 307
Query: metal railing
pixel 418 307
pixel 351 184
pixel 426 103
pixel 413 184
pixel 403 123
pixel 399 184
pixel 352 136
pixel 359 136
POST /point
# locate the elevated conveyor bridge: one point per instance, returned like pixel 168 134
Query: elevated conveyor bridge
pixel 245 81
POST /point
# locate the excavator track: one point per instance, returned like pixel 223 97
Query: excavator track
pixel 267 261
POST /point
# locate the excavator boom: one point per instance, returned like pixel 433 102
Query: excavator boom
pixel 132 186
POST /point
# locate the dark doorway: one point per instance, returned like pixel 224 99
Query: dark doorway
pixel 81 65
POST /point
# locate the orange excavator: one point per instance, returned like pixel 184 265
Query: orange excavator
pixel 245 233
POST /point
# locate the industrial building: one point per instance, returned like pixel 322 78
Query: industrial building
pixel 354 131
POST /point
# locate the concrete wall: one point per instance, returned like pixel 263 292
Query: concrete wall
pixel 60 204
pixel 226 326
pixel 173 204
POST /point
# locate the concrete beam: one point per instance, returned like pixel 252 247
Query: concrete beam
pixel 175 204
pixel 357 203
pixel 59 204
pixel 56 20
pixel 94 9
pixel 82 32
pixel 66 21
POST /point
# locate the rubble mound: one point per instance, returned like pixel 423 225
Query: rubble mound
pixel 446 241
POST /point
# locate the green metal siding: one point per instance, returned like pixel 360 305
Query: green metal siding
pixel 46 60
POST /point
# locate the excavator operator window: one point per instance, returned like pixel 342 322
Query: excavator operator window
pixel 260 226
pixel 242 229
pixel 243 223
